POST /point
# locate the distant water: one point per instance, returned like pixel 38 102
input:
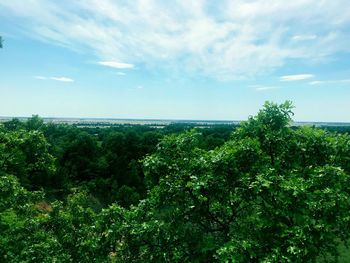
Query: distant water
pixel 112 121
pixel 155 122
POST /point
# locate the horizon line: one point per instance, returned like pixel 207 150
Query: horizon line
pixel 157 119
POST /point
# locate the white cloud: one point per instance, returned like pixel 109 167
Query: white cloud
pixel 263 88
pixel 266 88
pixel 117 65
pixel 121 73
pixel 62 79
pixel 338 81
pixel 139 87
pixel 304 37
pixel 296 77
pixel 316 82
pixel 40 77
pixel 228 39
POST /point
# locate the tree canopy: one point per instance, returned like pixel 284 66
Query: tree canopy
pixel 269 192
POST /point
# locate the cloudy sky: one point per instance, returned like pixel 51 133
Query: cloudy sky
pixel 174 59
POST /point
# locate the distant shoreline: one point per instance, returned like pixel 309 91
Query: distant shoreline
pixel 160 122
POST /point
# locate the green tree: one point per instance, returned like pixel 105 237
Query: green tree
pixel 34 123
pixel 14 124
pixel 80 159
pixel 22 215
pixel 244 201
pixel 25 154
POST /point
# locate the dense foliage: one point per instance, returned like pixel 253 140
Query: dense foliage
pixel 262 192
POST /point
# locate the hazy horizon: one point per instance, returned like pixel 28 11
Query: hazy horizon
pixel 233 121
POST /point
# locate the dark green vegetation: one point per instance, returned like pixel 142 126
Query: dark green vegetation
pixel 261 192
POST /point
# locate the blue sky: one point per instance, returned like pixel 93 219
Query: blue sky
pixel 174 59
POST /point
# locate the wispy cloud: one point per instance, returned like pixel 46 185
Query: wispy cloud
pixel 304 37
pixel 40 77
pixel 120 73
pixel 62 79
pixel 296 77
pixel 316 82
pixel 266 88
pixel 117 65
pixel 140 87
pixel 338 81
pixel 236 39
pixel 263 88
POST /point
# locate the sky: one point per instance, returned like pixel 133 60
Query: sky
pixel 209 60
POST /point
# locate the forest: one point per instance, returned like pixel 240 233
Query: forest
pixel 261 191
